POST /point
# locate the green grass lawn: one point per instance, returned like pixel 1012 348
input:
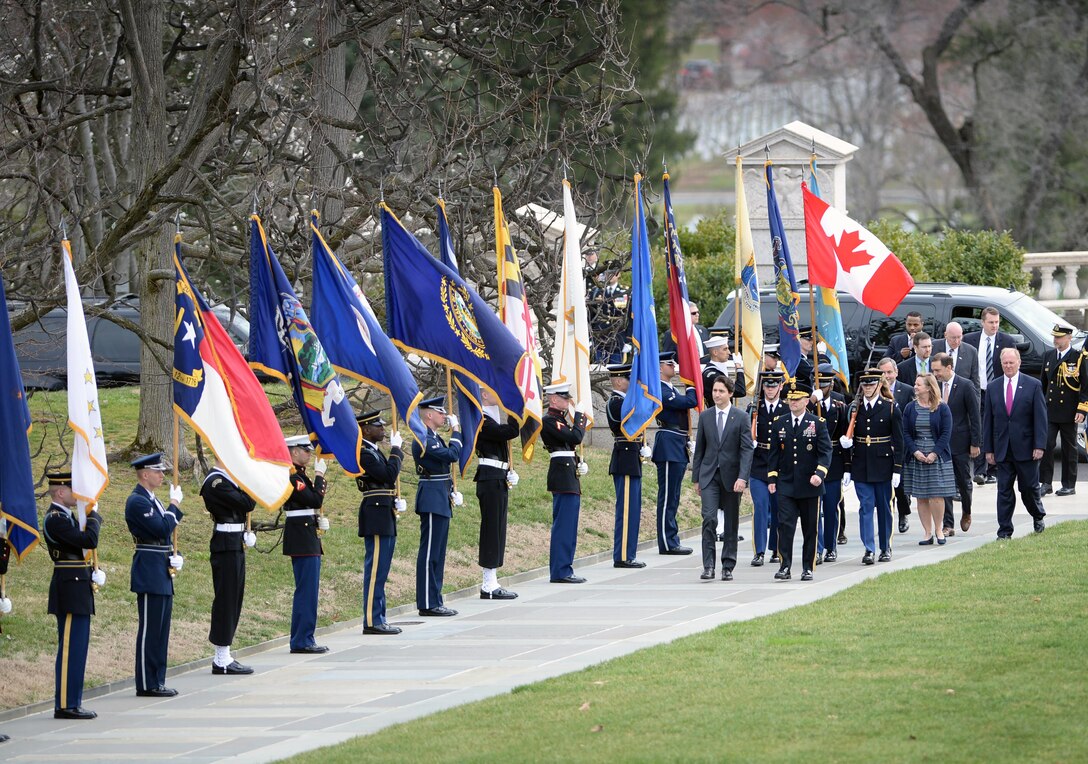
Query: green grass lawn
pixel 28 642
pixel 980 658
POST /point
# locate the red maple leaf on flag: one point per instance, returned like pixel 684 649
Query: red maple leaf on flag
pixel 850 251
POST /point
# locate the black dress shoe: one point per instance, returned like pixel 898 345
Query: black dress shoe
pixel 310 649
pixel 1045 488
pixel 1039 526
pixel 830 557
pixel 980 479
pixel 707 574
pixel 157 692
pixel 806 575
pixel 904 525
pixel 842 538
pixel 819 559
pixel 867 559
pixel 1063 491
pixel 439 612
pixel 775 557
pixel 4 738
pixel 783 574
pixel 234 668
pixel 757 560
pixel 569 580
pixel 727 575
pixel 498 594
pixel 628 564
pixel 79 712
pixel 885 556
pixel 678 550
pixel 381 628
pixel 991 479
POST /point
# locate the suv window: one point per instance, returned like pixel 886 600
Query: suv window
pixel 970 318
pixel 882 328
pixel 115 344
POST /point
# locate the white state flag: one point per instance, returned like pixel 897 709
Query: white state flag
pixel 570 359
pixel 89 473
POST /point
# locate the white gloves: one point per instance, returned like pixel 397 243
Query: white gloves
pixel 322 523
pixel 395 440
pixel 512 478
pixel 846 442
pixel 821 347
pixel 250 539
pixel 176 562
pixel 645 452
pixel 846 480
pixel 452 421
pixel 582 408
pixel 583 468
pixel 458 498
pixel 400 504
pixel 99 577
pixel 176 495
pixel 691 448
pixel 817 395
pixel 5 605
pixel 320 467
pixel 895 480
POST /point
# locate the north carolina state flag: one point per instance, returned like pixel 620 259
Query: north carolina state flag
pixel 845 256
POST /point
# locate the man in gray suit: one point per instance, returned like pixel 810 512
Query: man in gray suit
pixel 964 357
pixel 719 469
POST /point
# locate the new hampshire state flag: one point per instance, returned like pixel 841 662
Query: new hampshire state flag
pixel 283 344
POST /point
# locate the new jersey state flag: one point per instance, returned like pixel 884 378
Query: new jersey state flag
pixel 283 344
pixel 216 393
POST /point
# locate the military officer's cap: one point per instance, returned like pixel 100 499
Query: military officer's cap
pixel 435 404
pixel 562 389
pixel 823 358
pixel 300 441
pixel 772 377
pixel 56 477
pixel 1061 330
pixel 772 351
pixel 619 369
pixel 721 331
pixel 798 390
pixel 613 265
pixel 826 369
pixel 805 332
pixel 871 375
pixel 667 357
pixel 151 462
pixel 370 418
pixel 716 342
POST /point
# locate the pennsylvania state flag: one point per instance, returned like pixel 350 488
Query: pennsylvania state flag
pixel 283 344
pixel 432 312
pixel 353 337
pixel 789 347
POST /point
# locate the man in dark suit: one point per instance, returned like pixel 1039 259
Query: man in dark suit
pixel 702 334
pixel 1013 438
pixel 1063 378
pixel 670 454
pixel 720 467
pixel 900 347
pixel 302 542
pixel 918 363
pixel 625 467
pixel 964 357
pixel 903 395
pixel 989 343
pixel 378 517
pixel 962 399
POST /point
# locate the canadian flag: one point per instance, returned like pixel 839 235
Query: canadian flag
pixel 844 255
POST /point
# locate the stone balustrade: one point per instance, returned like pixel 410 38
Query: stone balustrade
pixel 1062 279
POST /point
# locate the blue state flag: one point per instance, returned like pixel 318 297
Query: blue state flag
pixel 283 344
pixel 432 312
pixel 17 503
pixel 828 312
pixel 785 284
pixel 354 339
pixel 643 400
pixel 469 407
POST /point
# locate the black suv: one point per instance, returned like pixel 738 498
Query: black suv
pixel 41 347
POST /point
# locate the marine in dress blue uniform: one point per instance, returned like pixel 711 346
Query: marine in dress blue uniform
pixel 434 505
pixel 152 575
pixel 493 481
pixel 560 435
pixel 302 542
pixel 670 454
pixel 832 409
pixel 71 596
pixel 800 457
pixel 625 468
pixel 762 413
pixel 377 517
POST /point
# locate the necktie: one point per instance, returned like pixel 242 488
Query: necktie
pixel 796 423
pixel 944 394
pixel 1008 399
pixel 721 424
pixel 989 359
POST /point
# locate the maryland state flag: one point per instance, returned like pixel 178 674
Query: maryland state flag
pixel 683 331
pixel 216 393
pixel 432 312
pixel 516 314
pixel 17 504
pixel 283 344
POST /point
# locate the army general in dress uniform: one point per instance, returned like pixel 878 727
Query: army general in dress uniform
pixel 560 436
pixel 302 543
pixel 71 596
pixel 378 517
pixel 154 564
pixel 1066 394
pixel 493 479
pixel 625 468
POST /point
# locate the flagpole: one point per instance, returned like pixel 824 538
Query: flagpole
pixel 738 345
pixel 174 536
pixel 812 299
pixel 449 395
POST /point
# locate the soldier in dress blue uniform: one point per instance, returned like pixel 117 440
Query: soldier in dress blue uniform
pixel 560 435
pixel 670 454
pixel 1066 393
pixel 378 517
pixel 435 498
pixel 302 543
pixel 804 366
pixel 626 471
pixel 494 478
pixel 229 507
pixel 71 596
pixel 154 564
pixel 830 406
pixel 763 412
pixel 876 461
pixel 800 457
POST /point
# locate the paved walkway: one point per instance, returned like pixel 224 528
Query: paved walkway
pixel 295 703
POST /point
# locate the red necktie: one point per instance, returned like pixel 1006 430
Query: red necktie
pixel 1008 398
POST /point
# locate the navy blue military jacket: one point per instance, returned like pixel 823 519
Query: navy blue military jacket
pixel 711 372
pixel 671 441
pixel 493 442
pixel 151 526
pixel 877 452
pixel 433 461
pixel 798 453
pixel 378 484
pixel 560 435
pixel 1064 384
pixel 226 503
pixel 625 453
pixel 835 416
pixel 70 589
pixel 762 440
pixel 300 533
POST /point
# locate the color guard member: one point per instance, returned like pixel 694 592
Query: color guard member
pixel 302 543
pixel 762 413
pixel 830 406
pixel 625 468
pixel 672 445
pixel 494 478
pixel 1064 372
pixel 560 435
